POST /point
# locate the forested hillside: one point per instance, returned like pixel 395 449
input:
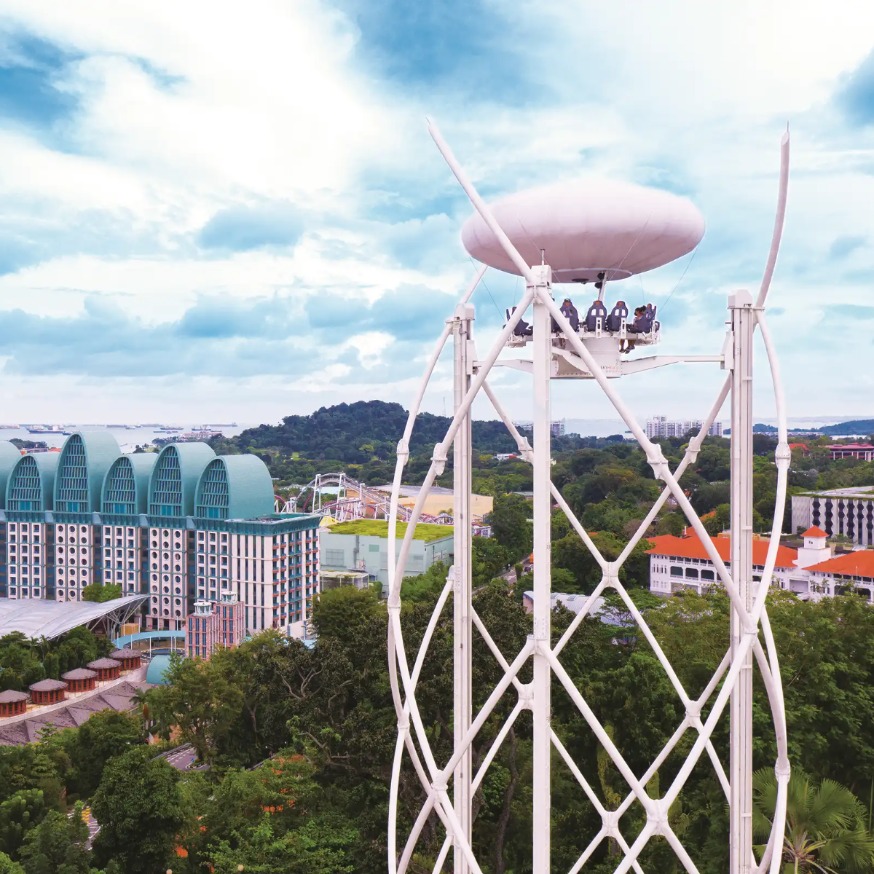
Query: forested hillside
pixel 358 431
pixel 360 438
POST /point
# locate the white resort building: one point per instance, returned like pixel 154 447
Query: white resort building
pixel 811 572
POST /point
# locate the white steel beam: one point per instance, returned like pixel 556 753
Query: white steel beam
pixel 541 706
pixel 741 744
pixel 462 585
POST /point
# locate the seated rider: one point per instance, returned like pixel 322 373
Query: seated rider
pixel 522 329
pixel 642 325
pixel 569 311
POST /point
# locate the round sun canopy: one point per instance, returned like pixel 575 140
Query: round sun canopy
pixel 587 227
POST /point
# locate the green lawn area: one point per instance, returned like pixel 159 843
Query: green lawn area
pixel 379 528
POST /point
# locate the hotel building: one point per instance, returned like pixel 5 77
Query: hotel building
pixel 847 511
pixel 660 426
pixel 179 526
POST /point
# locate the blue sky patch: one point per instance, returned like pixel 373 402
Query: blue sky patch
pixel 856 96
pixel 30 72
pixel 463 46
pixel 243 228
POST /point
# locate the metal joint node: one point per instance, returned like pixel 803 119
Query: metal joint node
pixel 694 448
pixel 525 450
pixel 782 769
pixel 783 453
pixel 611 573
pixel 656 459
pixel 403 450
pixel 403 725
pixel 610 821
pixel 526 695
pixel 439 784
pixel 439 457
pixel 394 603
pixel 657 815
pixel 693 711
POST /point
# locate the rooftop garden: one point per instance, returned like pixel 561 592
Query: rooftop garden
pixel 379 528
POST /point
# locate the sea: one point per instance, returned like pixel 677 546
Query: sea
pixel 609 427
pixel 128 436
pixel 131 436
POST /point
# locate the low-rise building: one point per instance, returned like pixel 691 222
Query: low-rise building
pixel 80 680
pixel 811 572
pixel 338 579
pixel 362 546
pixel 12 703
pixel 862 451
pixel 678 563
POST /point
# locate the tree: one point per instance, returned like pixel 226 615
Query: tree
pixel 138 805
pixel 511 525
pixel 105 735
pixel 101 592
pixel 339 612
pixel 7 866
pixel 202 699
pixel 426 586
pixel 315 848
pixel 57 845
pixel 489 558
pixel 825 825
pixel 18 815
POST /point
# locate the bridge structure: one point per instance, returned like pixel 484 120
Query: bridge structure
pixel 599 234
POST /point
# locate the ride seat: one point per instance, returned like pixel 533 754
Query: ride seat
pixel 596 317
pixel 617 316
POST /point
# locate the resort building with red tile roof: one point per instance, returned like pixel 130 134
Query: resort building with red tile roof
pixel 678 563
pixel 810 572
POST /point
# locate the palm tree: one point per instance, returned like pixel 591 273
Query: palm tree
pixel 825 825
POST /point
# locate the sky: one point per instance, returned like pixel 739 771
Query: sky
pixel 214 211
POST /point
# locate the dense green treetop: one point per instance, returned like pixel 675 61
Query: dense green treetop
pixel 24 660
pixel 101 592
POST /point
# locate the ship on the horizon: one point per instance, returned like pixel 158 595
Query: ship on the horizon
pixel 45 429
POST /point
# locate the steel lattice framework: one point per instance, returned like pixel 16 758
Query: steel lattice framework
pixel 449 786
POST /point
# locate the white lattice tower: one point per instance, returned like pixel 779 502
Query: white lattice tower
pixel 449 786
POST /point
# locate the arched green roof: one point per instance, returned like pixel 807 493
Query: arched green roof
pixel 126 485
pixel 31 482
pixel 174 478
pixel 85 458
pixel 234 487
pixel 10 455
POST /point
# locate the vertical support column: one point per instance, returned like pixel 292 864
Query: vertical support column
pixel 542 473
pixel 462 626
pixel 740 305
